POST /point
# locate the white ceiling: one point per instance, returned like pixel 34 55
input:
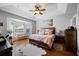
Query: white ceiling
pixel 52 9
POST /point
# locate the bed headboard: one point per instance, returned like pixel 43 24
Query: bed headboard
pixel 51 28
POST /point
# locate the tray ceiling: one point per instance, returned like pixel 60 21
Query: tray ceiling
pixel 52 9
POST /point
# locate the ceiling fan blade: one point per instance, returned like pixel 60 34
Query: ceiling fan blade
pixel 42 9
pixel 40 13
pixel 35 13
pixel 32 10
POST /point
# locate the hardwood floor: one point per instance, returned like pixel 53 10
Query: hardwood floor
pixel 52 52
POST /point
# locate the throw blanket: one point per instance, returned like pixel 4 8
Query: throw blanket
pixel 49 40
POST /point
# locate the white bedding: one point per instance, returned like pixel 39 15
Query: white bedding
pixel 40 37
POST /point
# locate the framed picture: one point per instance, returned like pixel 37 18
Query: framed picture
pixel 1 23
pixel 51 21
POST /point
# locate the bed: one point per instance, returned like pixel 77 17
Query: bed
pixel 45 40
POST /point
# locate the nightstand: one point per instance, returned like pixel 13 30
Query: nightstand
pixel 60 39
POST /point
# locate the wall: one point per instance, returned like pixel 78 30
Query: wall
pixel 43 23
pixel 61 22
pixel 3 18
pixel 77 26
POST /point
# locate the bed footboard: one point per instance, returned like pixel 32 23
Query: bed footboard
pixel 39 43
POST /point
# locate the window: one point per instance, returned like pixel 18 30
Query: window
pixel 19 27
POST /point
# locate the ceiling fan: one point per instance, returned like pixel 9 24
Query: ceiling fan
pixel 38 9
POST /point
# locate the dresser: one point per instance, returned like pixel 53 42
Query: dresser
pixel 71 40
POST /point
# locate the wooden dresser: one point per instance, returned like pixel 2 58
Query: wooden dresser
pixel 71 40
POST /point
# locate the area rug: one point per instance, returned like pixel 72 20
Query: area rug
pixel 28 50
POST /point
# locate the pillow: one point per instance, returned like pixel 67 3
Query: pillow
pixel 48 32
pixel 41 32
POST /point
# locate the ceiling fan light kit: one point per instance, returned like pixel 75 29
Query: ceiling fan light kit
pixel 38 9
